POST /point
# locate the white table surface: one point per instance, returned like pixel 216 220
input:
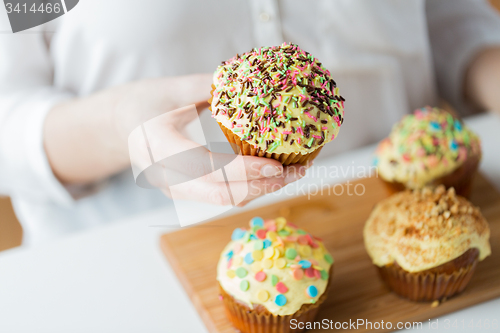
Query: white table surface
pixel 115 279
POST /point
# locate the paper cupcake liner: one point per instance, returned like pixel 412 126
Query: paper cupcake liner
pixel 244 148
pixel 260 320
pixel 426 286
pixel 461 179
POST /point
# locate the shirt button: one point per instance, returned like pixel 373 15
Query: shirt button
pixel 264 17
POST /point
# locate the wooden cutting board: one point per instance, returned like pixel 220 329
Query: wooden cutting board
pixel 357 292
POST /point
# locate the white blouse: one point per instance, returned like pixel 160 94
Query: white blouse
pixel 388 57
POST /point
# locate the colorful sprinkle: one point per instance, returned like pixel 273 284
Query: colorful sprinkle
pixel 241 272
pixel 263 295
pixel 257 255
pixel 328 258
pixel 291 254
pixel 280 300
pixel 248 258
pixel 310 272
pixel 312 291
pixel 267 263
pixel 260 276
pixel 230 274
pixel 238 234
pixel 261 233
pixel 305 263
pixel 281 288
pixel 244 285
pixel 257 221
pixel 274 280
pixel 258 245
pixel 256 267
pixel 298 274
pixel 280 263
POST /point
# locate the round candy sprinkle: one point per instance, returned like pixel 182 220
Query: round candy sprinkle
pixel 298 274
pixel 269 253
pixel 246 237
pixel 318 254
pixel 283 232
pixel 237 247
pixel 328 258
pixel 253 237
pixel 267 243
pixel 241 272
pixel 256 266
pixel 237 260
pixel 317 274
pixel 272 235
pixel 303 240
pixel 324 275
pixel 257 255
pixel 263 295
pixel 301 232
pixel 267 263
pixel 255 229
pixel 280 300
pixel 257 221
pixel 305 250
pixel 248 258
pixel 258 245
pixel 274 280
pixel 277 253
pixel 310 272
pixel 280 263
pixel 230 274
pixel 291 253
pixel 238 234
pixel 244 285
pixel 312 291
pixel 260 276
pixel 435 126
pixel 305 263
pixel 261 233
pixel 281 288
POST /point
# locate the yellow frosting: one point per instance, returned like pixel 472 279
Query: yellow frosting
pixel 424 146
pixel 279 99
pixel 424 229
pixel 275 263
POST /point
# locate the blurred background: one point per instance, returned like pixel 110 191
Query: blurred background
pixel 11 231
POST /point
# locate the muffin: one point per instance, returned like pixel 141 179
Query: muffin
pixel 429 148
pixel 277 102
pixel 272 273
pixel 426 243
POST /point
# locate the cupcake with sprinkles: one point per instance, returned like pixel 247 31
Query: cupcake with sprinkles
pixel 428 148
pixel 277 102
pixel 271 273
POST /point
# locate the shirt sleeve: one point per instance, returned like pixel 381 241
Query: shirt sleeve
pixel 458 30
pixel 27 94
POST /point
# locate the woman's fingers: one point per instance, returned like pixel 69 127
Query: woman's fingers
pixel 236 192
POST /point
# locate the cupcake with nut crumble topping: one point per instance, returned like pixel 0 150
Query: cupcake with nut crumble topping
pixel 428 148
pixel 426 243
pixel 272 273
pixel 277 102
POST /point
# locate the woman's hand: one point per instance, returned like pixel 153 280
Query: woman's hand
pixel 86 141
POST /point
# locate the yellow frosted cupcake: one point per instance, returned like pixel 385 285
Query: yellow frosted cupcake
pixel 277 102
pixel 273 273
pixel 428 148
